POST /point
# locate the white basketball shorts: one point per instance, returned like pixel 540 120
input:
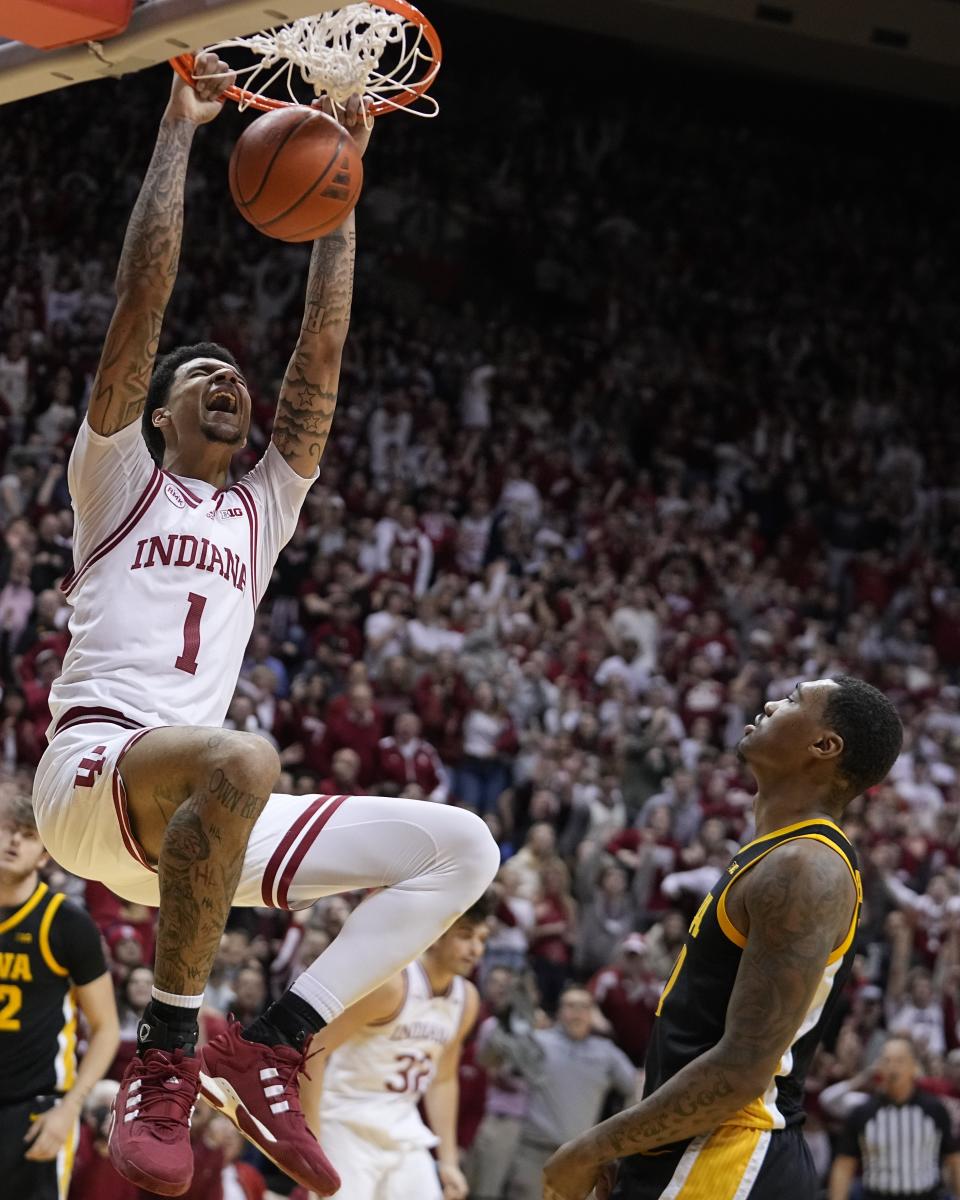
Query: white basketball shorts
pixel 81 808
pixel 373 1172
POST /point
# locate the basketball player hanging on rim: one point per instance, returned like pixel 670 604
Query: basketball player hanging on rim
pixel 758 977
pixel 140 788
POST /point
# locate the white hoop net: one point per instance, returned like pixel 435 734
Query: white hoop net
pixel 339 54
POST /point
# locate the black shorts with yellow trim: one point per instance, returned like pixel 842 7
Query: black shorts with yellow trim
pixel 21 1178
pixel 732 1163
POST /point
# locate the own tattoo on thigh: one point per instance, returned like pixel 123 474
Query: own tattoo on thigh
pixel 234 799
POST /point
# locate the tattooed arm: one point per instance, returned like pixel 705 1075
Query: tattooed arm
pixel 151 251
pixel 799 902
pixel 308 395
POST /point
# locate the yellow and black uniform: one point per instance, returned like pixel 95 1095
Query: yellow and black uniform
pixel 48 946
pixel 758 1154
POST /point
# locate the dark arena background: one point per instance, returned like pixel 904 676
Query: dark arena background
pixel 649 411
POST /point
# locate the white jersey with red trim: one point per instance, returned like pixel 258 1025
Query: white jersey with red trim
pixel 375 1082
pixel 167 576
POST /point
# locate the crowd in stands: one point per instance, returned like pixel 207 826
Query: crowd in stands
pixel 647 414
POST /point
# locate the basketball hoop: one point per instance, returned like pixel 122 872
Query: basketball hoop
pixel 387 52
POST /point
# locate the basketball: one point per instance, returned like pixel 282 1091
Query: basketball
pixel 295 174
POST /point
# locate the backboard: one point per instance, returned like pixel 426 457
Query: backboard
pixel 158 30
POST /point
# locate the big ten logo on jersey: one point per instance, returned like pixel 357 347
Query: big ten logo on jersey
pixel 414 1071
pixel 224 514
pixel 90 767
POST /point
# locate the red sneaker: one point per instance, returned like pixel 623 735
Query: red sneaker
pixel 257 1087
pixel 150 1135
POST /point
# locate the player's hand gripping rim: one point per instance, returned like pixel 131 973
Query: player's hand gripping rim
pixel 354 116
pixel 203 100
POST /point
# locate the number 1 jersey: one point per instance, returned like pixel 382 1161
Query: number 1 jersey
pixel 168 573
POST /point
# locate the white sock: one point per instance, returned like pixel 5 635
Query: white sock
pixel 176 1001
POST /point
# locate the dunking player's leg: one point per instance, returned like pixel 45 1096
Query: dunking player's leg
pixel 431 862
pixel 193 796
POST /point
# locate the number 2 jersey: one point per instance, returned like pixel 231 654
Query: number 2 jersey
pixel 693 1007
pixel 48 946
pixel 375 1082
pixel 168 573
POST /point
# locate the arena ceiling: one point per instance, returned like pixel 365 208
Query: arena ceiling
pixel 908 47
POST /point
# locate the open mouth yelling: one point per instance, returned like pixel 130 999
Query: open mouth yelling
pixel 224 400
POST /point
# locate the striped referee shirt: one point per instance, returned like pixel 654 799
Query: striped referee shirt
pixel 901 1147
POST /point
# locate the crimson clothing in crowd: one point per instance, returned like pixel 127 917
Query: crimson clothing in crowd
pixel 94 1177
pixel 554 947
pixel 630 1006
pixel 473 1087
pixel 249 1179
pixel 207 1171
pixel 363 736
pixel 415 762
pixel 345 640
pixel 441 703
pixel 109 911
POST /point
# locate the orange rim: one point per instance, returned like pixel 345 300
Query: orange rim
pixel 183 65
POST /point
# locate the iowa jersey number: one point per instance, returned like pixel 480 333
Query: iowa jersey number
pixel 681 957
pixel 11 1001
pixel 191 634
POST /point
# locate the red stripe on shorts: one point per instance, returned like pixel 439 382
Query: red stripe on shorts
pixel 276 859
pixel 81 715
pixel 120 805
pixel 301 851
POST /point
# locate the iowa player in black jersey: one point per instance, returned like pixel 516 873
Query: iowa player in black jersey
pixel 757 978
pixel 51 967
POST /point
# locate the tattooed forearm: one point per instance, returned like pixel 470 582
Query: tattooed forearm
pixel 699 1098
pixel 330 282
pixel 308 396
pixel 145 279
pixel 799 902
pixel 151 248
pixel 304 413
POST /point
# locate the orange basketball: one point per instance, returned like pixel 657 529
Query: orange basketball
pixel 295 174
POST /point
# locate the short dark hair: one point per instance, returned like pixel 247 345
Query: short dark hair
pixel 159 390
pixel 871 730
pixel 481 910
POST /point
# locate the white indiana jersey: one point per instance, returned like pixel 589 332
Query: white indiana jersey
pixel 375 1082
pixel 167 576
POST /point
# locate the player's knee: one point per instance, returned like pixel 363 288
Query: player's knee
pixel 473 849
pixel 243 762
